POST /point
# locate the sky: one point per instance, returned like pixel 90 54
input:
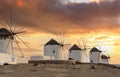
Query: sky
pixel 98 21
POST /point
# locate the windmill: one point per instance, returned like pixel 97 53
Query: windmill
pixel 9 35
pixel 75 53
pixel 105 55
pixel 83 43
pixel 105 59
pixel 63 51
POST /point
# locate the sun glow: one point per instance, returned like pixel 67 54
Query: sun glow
pixel 19 3
pixel 96 1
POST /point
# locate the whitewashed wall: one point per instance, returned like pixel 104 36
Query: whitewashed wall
pixel 105 61
pixel 76 54
pixel 95 57
pixel 6 58
pixel 4 44
pixel 48 51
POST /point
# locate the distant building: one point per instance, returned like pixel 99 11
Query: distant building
pixel 51 49
pixel 95 55
pixel 105 59
pixel 75 53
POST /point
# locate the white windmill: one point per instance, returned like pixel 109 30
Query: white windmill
pixel 9 36
pixel 57 49
pixel 105 59
pixel 51 49
pixel 95 55
pixel 104 55
pixel 75 53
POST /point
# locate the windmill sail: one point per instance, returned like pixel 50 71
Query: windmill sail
pixel 8 34
pixel 63 51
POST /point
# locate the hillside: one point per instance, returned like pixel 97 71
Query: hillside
pixel 59 70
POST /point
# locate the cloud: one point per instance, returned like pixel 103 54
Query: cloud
pixel 53 15
pixel 102 37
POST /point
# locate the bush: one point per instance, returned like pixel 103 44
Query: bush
pixel 93 67
pixel 35 64
pixel 70 59
pixel 78 62
pixel 6 63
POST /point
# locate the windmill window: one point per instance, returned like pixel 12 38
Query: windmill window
pixel 91 61
pixel 70 51
pixel 53 51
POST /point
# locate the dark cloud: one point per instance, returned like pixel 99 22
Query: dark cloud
pixel 53 15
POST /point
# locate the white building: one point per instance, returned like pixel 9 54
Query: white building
pixel 95 55
pixel 75 53
pixel 7 58
pixel 105 59
pixel 51 49
pixel 6 52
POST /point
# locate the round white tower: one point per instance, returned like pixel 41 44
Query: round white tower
pixel 5 41
pixel 51 49
pixel 95 55
pixel 75 53
pixel 105 59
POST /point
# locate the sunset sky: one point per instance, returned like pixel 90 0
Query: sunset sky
pixel 96 20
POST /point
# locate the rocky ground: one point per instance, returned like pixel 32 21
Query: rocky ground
pixel 59 70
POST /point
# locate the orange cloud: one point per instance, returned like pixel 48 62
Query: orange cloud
pixel 20 3
pixel 52 16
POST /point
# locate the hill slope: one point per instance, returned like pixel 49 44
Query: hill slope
pixel 59 70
